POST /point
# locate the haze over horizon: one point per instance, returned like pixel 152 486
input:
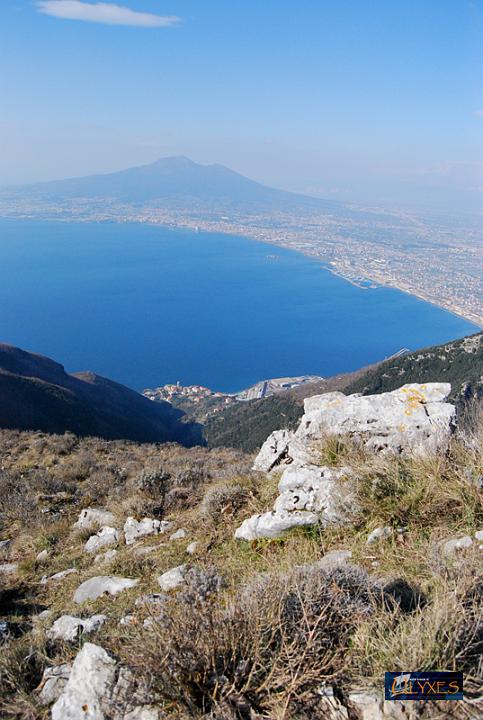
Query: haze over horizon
pixel 337 100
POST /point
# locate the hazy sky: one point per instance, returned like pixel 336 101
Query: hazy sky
pixel 377 100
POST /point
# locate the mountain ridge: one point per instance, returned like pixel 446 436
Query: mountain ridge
pixel 37 394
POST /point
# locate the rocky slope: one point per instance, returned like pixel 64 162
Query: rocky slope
pixel 37 394
pixel 128 592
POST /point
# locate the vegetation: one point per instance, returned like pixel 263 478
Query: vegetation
pixel 258 627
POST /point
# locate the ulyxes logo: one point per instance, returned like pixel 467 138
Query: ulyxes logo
pixel 423 686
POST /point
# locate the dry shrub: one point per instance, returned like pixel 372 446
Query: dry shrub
pixel 222 500
pixel 269 647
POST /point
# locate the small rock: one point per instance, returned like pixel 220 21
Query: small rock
pixel 4 545
pixel 105 536
pixel 4 630
pixel 330 559
pixel 68 627
pixel 179 534
pixel 450 547
pixel 58 576
pixel 107 556
pixel 42 556
pixel 44 615
pixel 151 599
pixel 192 548
pixel 53 683
pixel 102 585
pixel 92 518
pixel 8 568
pixel 128 620
pixel 380 533
pixel 172 578
pixel 479 535
pixel 141 551
pixel 136 529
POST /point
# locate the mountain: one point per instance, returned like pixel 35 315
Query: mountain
pixel 172 182
pixel 246 425
pixel 37 394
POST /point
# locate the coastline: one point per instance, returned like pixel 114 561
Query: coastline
pixel 304 247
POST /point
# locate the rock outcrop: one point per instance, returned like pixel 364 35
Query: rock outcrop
pixel 413 419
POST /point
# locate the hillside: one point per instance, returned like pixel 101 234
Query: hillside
pixel 459 363
pixel 246 425
pixel 37 394
pixel 127 589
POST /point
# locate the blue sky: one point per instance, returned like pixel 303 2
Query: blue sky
pixel 366 100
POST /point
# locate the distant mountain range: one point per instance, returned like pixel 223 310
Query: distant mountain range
pixel 37 394
pixel 172 182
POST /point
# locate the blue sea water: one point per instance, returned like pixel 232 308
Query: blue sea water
pixel 144 305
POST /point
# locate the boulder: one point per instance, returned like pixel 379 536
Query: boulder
pixel 273 524
pixel 102 585
pixel 173 578
pixel 54 680
pixel 414 418
pixel 68 627
pixel 136 529
pixel 89 686
pixel 93 518
pixel 104 537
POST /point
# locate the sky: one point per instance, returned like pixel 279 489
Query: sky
pixel 370 101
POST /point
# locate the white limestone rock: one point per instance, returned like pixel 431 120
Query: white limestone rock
pixel 42 556
pixel 192 548
pixel 102 585
pixel 331 559
pixel 4 545
pixel 8 568
pixel 68 627
pixel 105 557
pixel 104 537
pixel 89 686
pixel 58 576
pixel 173 578
pixel 454 545
pixel 313 488
pixel 479 535
pixel 179 534
pixel 273 524
pixel 415 418
pixel 53 683
pixel 380 533
pixel 273 450
pixel 93 518
pixel 136 529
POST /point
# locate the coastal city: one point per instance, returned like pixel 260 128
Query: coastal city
pixel 435 258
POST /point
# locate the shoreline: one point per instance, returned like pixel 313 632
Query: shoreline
pixel 200 226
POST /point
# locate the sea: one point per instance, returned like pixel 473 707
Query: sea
pixel 145 306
